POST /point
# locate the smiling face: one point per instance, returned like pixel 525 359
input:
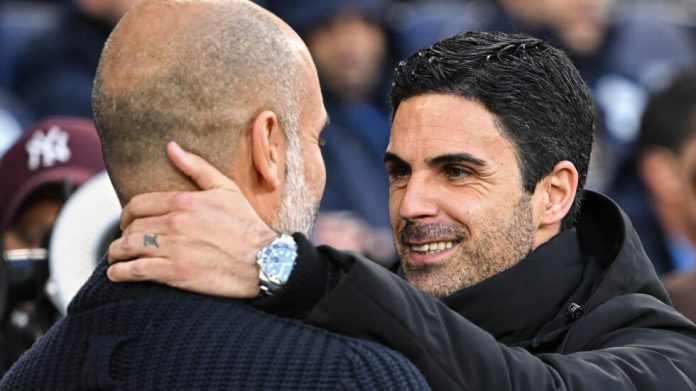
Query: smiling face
pixel 458 210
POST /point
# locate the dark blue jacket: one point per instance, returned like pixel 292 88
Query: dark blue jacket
pixel 147 336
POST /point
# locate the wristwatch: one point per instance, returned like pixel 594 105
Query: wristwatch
pixel 276 262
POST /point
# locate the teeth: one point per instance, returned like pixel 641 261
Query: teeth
pixel 432 247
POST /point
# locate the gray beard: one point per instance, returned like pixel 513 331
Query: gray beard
pixel 298 209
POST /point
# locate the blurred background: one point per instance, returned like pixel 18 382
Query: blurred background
pixel 58 212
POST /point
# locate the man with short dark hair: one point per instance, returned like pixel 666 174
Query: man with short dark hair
pixel 541 286
pixel 233 82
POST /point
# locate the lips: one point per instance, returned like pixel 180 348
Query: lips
pixel 430 253
pixel 429 243
pixel 432 247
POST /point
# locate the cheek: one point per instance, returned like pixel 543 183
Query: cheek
pixel 315 172
pixel 395 197
pixel 472 211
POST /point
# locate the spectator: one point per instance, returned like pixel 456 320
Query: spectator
pixel 656 187
pixel 681 287
pixel 622 57
pixel 349 43
pixel 38 173
pixel 517 16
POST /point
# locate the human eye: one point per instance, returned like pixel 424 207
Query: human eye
pixel 397 172
pixel 456 172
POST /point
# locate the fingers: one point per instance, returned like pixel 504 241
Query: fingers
pixel 198 169
pixel 137 246
pixel 172 223
pixel 180 276
pixel 148 204
pixel 141 270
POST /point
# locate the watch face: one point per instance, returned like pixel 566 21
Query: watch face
pixel 280 265
pixel 277 261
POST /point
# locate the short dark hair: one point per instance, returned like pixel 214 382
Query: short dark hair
pixel 669 119
pixel 536 95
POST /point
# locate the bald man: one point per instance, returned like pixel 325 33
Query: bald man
pixel 233 83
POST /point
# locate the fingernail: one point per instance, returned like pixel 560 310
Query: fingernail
pixel 177 147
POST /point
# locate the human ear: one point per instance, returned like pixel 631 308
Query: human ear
pixel 268 142
pixel 558 191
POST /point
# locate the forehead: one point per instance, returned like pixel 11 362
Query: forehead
pixel 313 113
pixel 427 125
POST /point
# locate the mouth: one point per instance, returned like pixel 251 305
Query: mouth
pixel 431 252
pixel 432 247
pixel 429 243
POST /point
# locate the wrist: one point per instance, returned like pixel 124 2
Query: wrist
pixel 276 262
pixel 305 287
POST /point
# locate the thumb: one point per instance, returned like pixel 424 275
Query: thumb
pixel 204 174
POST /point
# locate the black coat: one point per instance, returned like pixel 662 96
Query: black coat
pixel 584 311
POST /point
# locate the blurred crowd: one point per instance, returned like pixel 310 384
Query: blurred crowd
pixel 58 212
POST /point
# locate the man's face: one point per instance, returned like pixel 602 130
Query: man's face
pixel 305 172
pixel 31 226
pixel 349 52
pixel 458 211
pixel 685 200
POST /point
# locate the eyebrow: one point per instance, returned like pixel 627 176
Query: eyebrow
pixel 395 159
pixel 455 158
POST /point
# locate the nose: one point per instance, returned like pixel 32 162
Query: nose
pixel 418 199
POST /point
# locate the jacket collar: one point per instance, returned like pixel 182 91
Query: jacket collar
pixel 516 303
pixel 607 234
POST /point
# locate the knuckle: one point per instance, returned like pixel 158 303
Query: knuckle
pixel 129 243
pixel 183 200
pixel 133 205
pixel 114 247
pixel 181 273
pixel 175 221
pixel 138 269
pixel 132 227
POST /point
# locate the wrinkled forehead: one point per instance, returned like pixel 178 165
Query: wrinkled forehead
pixel 438 123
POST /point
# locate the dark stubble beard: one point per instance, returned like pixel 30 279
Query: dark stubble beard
pixel 501 244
